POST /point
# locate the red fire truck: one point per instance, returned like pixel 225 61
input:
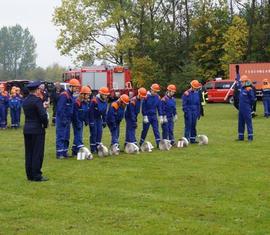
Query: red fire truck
pixel 117 79
pixel 256 72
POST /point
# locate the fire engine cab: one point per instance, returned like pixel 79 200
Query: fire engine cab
pixel 117 79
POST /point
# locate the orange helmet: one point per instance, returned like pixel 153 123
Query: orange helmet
pixel 195 84
pixel 104 91
pixel 244 78
pixel 124 98
pixel 171 87
pixel 85 90
pixel 74 82
pixel 142 92
pixel 155 87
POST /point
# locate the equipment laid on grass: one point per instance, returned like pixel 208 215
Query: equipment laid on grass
pixel 114 150
pixel 183 142
pixel 132 148
pixel 203 139
pixel 102 150
pixel 147 147
pixel 84 153
pixel 165 145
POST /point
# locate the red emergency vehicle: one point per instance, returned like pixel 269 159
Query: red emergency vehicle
pixel 256 72
pixel 117 78
pixel 219 91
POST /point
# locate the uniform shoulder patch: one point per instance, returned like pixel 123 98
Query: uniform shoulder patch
pixel 248 88
pixel 65 94
pixel 115 105
pixel 186 92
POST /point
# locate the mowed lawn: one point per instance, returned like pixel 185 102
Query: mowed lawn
pixel 222 188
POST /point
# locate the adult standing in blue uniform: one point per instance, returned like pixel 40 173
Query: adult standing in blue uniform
pixel 191 108
pixel 246 101
pixel 80 115
pixel 64 113
pixel 168 104
pixel 266 97
pixel 97 117
pixel 132 111
pixel 114 117
pixel 150 106
pixel 36 121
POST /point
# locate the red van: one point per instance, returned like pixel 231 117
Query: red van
pixel 217 90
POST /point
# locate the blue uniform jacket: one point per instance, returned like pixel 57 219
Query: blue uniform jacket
pixel 64 109
pixel 36 119
pixel 150 105
pixel 14 103
pixel 168 105
pixel 133 109
pixel 266 92
pixel 3 100
pixel 115 114
pixel 191 102
pixel 246 98
pixel 97 110
pixel 80 113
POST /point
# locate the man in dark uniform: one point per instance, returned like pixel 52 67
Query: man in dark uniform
pixel 36 121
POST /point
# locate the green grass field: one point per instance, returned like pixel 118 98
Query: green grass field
pixel 222 188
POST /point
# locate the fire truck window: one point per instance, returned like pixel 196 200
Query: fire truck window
pixel 77 75
pixel 208 86
pixel 223 85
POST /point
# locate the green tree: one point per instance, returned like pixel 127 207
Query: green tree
pixel 17 51
pixel 235 46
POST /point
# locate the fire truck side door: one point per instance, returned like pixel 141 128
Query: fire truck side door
pixel 118 81
pixel 100 80
pixel 88 78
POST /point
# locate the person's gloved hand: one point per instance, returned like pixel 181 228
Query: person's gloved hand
pixel 104 124
pixel 237 68
pixel 145 119
pixel 161 120
pixel 175 118
pixel 165 120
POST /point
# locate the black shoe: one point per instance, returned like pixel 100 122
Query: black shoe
pixel 41 179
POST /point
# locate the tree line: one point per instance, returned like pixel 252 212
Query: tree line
pixel 18 57
pixel 169 41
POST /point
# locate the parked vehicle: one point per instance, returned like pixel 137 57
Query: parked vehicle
pixel 117 79
pixel 218 89
pixel 256 72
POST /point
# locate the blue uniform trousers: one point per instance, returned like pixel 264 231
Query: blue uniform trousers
pixel 115 130
pixel 78 139
pixel 245 117
pixel 34 154
pixel 14 113
pixel 266 105
pixel 168 129
pixel 3 116
pixel 96 131
pixel 154 123
pixel 190 126
pixel 130 132
pixel 62 138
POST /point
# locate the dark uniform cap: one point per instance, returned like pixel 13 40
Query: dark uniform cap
pixel 33 85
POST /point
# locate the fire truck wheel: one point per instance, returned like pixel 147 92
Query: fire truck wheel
pixel 230 100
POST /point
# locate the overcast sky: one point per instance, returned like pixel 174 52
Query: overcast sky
pixel 36 15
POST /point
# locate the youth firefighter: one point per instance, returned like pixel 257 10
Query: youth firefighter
pixel 114 117
pixel 97 117
pixel 191 108
pixel 266 97
pixel 150 106
pixel 132 111
pixel 80 117
pixel 15 109
pixel 64 112
pixel 246 100
pixel 169 114
pixel 3 107
pixel 20 98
